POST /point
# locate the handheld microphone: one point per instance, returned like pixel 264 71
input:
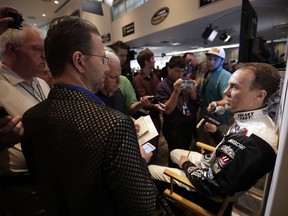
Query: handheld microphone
pixel 220 110
pixel 211 117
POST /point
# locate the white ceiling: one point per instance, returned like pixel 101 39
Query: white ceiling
pixel 272 23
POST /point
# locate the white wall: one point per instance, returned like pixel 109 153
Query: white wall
pixel 181 11
pixel 103 23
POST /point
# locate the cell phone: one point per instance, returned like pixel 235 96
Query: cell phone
pixel 3 112
pixel 148 147
pixel 153 100
pixel 188 83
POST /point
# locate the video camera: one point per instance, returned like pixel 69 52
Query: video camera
pixel 18 19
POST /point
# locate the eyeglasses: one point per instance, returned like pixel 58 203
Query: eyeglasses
pixel 104 58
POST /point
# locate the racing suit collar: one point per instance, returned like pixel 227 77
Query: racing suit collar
pixel 251 114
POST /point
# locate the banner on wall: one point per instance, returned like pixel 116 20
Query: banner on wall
pixel 106 38
pixel 160 16
pixel 128 29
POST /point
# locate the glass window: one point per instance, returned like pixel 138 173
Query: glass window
pixel 118 10
pixel 132 4
pixel 124 6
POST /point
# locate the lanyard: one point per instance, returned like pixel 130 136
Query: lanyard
pixel 38 95
pixel 83 90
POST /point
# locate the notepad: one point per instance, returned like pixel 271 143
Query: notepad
pixel 147 129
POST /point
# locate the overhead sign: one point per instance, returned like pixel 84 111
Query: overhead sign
pixel 128 29
pixel 160 16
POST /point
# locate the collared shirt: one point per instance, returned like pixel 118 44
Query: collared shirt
pixel 114 100
pixel 16 100
pixel 127 90
pixel 146 85
pixel 164 91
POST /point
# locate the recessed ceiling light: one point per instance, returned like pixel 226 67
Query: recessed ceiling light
pixel 31 17
pixel 44 15
pixel 165 41
pixel 175 44
pixel 56 2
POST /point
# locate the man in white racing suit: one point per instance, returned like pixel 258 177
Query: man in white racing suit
pixel 248 150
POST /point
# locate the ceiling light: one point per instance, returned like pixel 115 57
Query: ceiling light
pixel 44 15
pixel 209 33
pixel 225 37
pixel 201 49
pixel 56 2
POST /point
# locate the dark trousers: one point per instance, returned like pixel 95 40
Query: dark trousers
pixel 18 197
pixel 177 136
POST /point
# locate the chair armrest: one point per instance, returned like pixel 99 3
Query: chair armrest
pixel 185 202
pixel 197 209
pixel 174 176
pixel 204 146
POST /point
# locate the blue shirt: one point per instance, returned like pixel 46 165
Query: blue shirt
pixel 213 90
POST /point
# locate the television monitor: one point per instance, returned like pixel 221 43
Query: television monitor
pixel 92 6
pixel 260 51
pixel 209 33
pixel 248 31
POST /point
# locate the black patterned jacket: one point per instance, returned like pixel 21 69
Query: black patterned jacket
pixel 85 158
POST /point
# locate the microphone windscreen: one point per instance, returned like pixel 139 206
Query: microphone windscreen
pixel 220 110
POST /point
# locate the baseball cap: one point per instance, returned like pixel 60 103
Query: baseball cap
pixel 218 51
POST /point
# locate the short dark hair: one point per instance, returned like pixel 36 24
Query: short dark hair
pixel 265 77
pixel 118 45
pixel 66 35
pixel 188 53
pixel 177 61
pixel 144 55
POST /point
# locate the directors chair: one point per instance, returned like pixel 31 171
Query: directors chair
pixel 188 205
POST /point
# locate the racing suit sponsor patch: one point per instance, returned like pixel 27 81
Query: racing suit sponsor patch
pixel 223 160
pixel 198 173
pixel 246 115
pixel 228 150
pixel 216 168
pixel 210 174
pixel 237 144
pixel 191 169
